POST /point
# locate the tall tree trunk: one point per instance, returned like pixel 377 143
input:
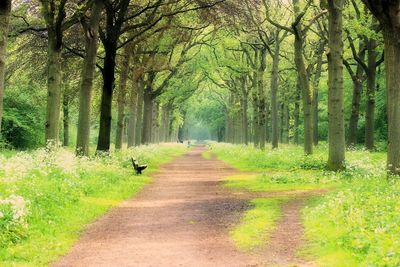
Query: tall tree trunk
pixel 357 79
pixel 245 127
pixel 387 13
pixel 139 118
pixel 303 83
pixel 133 114
pixel 86 86
pixel 66 120
pixel 5 9
pixel 286 124
pixel 335 82
pixel 370 105
pixel 262 102
pixel 154 122
pixel 274 91
pixel 296 113
pixel 103 144
pixel 317 77
pixel 121 101
pixel 53 86
pixel 392 63
pixel 147 116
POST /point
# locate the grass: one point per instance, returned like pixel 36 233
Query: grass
pixel 257 224
pixel 356 224
pixel 62 194
pixel 207 154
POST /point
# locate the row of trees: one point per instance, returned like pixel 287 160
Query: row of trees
pixel 262 65
pixel 146 46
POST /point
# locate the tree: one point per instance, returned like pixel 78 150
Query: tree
pixel 299 29
pixel 387 14
pixel 91 33
pixel 335 83
pixel 5 9
pixel 121 101
pixel 54 13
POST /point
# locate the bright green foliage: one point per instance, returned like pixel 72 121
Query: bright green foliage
pixel 360 222
pixel 355 224
pixel 23 118
pixel 48 197
pixel 257 224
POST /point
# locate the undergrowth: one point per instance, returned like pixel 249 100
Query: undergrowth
pixel 46 198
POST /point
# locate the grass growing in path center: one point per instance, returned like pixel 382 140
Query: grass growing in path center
pixel 256 226
pixel 356 224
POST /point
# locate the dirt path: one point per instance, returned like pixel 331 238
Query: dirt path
pixel 181 219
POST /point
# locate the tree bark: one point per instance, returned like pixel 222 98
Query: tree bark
pixel 303 83
pixel 66 121
pixel 317 77
pixel 103 144
pixel 5 10
pixel 133 114
pixel 387 13
pixel 147 117
pixel 255 99
pixel 139 118
pixel 245 127
pixel 335 82
pixel 370 104
pixel 121 101
pixel 274 92
pixel 392 62
pixel 357 79
pixel 262 102
pixel 296 113
pixel 53 85
pixel 115 18
pixel 154 122
pixel 86 86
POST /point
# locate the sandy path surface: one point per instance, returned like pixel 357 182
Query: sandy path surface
pixel 183 219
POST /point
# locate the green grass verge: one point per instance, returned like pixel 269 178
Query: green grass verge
pixel 356 224
pixel 64 194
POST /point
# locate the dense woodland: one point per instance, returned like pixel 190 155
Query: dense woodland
pixel 84 72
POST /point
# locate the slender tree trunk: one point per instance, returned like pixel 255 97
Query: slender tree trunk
pixel 139 118
pixel 255 101
pixel 274 92
pixel 121 101
pixel 154 122
pixel 316 80
pixel 66 120
pixel 303 83
pixel 147 117
pixel 335 82
pixel 287 124
pixel 296 113
pixel 370 105
pixel 356 100
pixel 245 127
pixel 133 114
pixel 5 9
pixel 86 86
pixel 262 102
